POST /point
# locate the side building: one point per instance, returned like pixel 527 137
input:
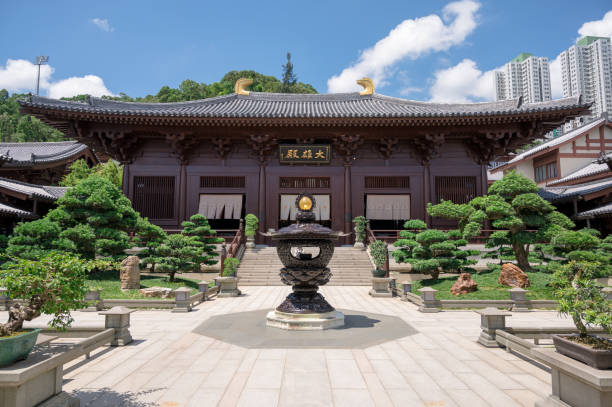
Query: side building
pixel 249 152
pixel 526 76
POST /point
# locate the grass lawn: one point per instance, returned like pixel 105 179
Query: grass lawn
pixel 110 284
pixel 488 288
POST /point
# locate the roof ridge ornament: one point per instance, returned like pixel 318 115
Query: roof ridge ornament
pixel 368 86
pixel 241 85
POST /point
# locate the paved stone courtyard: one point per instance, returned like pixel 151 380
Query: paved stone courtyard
pixel 171 362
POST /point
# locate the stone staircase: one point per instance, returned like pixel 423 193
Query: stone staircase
pixel 261 266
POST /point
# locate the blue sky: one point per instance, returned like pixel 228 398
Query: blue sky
pixel 439 51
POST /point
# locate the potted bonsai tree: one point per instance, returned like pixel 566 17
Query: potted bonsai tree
pixel 228 282
pixel 378 251
pixel 360 223
pixel 53 285
pixel 582 299
pixel 250 228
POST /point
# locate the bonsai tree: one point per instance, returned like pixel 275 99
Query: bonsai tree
pixel 360 223
pixel 32 240
pixel 80 170
pixel 176 254
pixel 431 251
pixel 251 225
pixel 148 236
pixel 378 251
pixel 579 245
pixel 53 284
pixel 513 205
pixel 230 266
pixel 96 217
pixel 581 298
pixel 198 227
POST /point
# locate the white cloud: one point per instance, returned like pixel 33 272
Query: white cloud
pixel 410 39
pixel 103 24
pixel 556 82
pixel 19 75
pixel 598 28
pixel 463 83
pixel 88 84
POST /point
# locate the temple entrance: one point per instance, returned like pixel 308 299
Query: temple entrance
pixel 223 211
pixel 387 212
pixel 287 210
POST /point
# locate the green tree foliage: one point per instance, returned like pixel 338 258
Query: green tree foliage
pixel 512 204
pixel 33 240
pixel 53 284
pixel 580 297
pixel 178 253
pixel 15 127
pixel 198 227
pixel 430 251
pixel 230 266
pixel 148 236
pixel 79 170
pixel 289 79
pixel 251 225
pixel 578 245
pixel 360 223
pixel 96 217
pixel 378 251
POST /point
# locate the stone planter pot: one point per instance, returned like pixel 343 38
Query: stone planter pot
pixel 250 243
pixel 15 348
pixel 378 273
pixel 596 358
pixel 359 245
pixel 228 286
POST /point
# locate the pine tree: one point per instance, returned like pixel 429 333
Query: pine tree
pixel 199 228
pixel 289 79
pixel 177 253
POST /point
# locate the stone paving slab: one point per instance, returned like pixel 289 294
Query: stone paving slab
pixel 440 364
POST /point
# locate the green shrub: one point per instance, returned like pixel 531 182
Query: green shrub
pixel 378 251
pixel 198 227
pixel 230 266
pixel 360 223
pixel 251 225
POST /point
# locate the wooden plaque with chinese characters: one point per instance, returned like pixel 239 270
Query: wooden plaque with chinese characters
pixel 305 153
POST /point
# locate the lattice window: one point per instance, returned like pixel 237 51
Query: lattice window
pixel 305 182
pixel 222 182
pixel 378 182
pixel 456 189
pixel 154 197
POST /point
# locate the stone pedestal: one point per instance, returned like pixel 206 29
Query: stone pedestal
pixel 130 273
pixel 574 383
pixel 359 245
pixel 491 319
pixel 118 318
pixel 305 322
pixel 92 297
pixel 228 286
pixel 430 304
pixel 518 296
pixel 250 243
pixel 181 297
pixel 380 287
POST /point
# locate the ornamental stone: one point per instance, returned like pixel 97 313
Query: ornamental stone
pixel 513 276
pixel 464 284
pixel 130 273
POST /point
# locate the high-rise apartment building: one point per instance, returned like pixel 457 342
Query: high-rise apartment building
pixel 527 76
pixel 586 69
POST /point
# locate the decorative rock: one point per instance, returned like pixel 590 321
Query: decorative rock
pixel 130 273
pixel 464 285
pixel 513 276
pixel 154 292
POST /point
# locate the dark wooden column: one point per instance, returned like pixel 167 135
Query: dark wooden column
pixel 181 144
pixel 262 146
pixel 426 147
pixel 347 146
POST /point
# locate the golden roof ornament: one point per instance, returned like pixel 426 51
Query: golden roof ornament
pixel 241 85
pixel 368 86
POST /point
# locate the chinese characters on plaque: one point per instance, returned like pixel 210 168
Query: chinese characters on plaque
pixel 305 153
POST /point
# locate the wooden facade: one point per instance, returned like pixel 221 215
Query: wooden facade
pixel 173 153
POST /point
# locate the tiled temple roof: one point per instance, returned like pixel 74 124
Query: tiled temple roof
pixel 44 192
pixel 584 172
pixel 554 194
pixel 7 210
pixel 604 210
pixel 27 154
pixel 276 105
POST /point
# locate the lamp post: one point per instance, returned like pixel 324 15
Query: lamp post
pixel 40 60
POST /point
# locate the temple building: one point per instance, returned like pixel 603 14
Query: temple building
pixel 248 152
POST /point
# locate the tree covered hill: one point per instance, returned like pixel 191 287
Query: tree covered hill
pixel 15 127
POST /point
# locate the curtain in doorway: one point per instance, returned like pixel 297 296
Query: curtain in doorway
pixel 388 207
pixel 220 206
pixel 322 210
